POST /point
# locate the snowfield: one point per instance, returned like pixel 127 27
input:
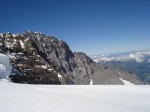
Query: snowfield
pixel 52 98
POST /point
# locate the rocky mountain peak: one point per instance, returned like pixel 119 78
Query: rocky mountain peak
pixel 41 59
pixel 83 57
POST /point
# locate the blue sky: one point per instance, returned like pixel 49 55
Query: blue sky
pixel 91 26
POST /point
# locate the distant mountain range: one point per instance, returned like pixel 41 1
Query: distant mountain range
pixel 137 62
pixel 36 58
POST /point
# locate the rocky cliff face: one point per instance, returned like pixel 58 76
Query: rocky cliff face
pixel 40 59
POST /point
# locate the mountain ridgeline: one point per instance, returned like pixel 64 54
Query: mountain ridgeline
pixel 37 58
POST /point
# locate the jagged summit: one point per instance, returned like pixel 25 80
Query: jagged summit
pixel 41 59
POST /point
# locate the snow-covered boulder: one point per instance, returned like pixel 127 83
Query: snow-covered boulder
pixel 5 66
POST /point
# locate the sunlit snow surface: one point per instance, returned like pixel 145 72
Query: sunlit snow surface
pixel 49 98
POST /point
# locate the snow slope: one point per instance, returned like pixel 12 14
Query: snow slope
pixel 5 66
pixel 51 98
pixel 126 82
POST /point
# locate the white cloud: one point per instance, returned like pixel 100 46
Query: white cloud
pixel 138 57
pixel 99 59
